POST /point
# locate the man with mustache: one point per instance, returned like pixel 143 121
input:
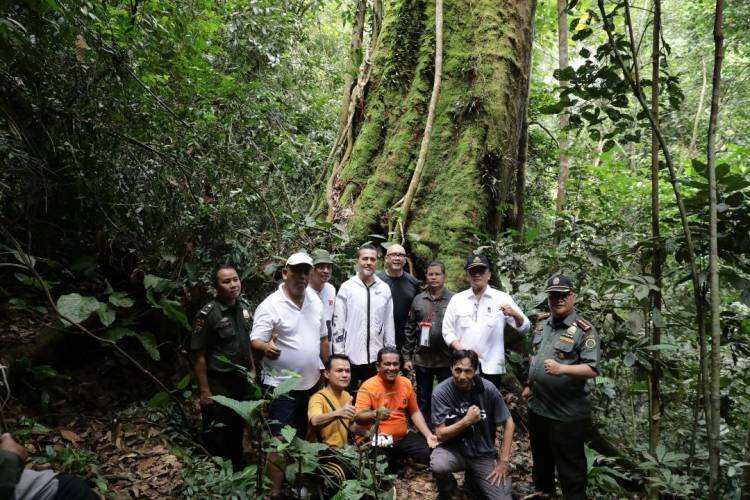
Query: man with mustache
pixel 564 356
pixel 476 319
pixel 319 283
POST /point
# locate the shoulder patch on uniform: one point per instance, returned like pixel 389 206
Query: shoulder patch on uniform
pixel 584 325
pixel 206 309
pixel 589 343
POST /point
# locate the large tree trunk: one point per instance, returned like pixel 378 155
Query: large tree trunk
pixel 468 184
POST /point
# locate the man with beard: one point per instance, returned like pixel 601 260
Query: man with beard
pixel 564 356
pixel 403 287
pixel 220 331
pixel 363 317
pixel 476 319
pixel 289 330
pixel 424 349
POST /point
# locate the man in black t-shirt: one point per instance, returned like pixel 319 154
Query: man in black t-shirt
pixel 466 412
pixel 404 287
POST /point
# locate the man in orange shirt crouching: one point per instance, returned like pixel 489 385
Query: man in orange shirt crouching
pixel 390 398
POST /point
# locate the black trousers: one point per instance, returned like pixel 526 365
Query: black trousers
pixel 223 428
pixel 360 373
pixel 556 444
pixel 425 379
pixel 73 488
pixel 414 445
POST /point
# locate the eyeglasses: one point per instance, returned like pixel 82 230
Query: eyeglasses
pixel 401 255
pixel 559 295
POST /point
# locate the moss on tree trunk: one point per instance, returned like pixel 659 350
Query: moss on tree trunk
pixel 468 184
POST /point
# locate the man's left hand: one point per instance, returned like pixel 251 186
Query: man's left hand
pixel 553 367
pixel 499 474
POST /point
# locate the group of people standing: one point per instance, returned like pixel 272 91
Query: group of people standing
pixel 379 327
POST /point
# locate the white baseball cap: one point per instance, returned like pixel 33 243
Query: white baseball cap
pixel 299 258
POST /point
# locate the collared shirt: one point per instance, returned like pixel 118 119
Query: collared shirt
pixel 327 296
pixel 426 309
pixel 299 330
pixel 336 432
pixel 222 330
pixel 398 396
pixel 479 325
pixel 558 396
pixel 363 320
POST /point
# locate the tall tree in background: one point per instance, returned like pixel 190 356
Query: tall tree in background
pixel 657 256
pixel 714 442
pixel 563 158
pixel 468 184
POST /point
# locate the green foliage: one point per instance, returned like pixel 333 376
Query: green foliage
pixel 213 478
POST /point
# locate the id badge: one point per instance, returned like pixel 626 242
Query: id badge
pixel 424 337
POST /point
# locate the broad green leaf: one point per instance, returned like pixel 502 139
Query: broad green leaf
pixel 121 299
pixel 184 382
pixel 106 314
pixel 661 347
pixel 245 409
pixel 174 311
pixel 641 292
pixel 287 385
pixel 148 341
pixel 117 333
pixel 288 432
pixel 158 400
pixel 76 307
pixel 157 284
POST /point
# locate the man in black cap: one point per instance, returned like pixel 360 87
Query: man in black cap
pixel 476 318
pixel 564 356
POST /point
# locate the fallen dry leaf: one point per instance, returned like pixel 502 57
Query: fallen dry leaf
pixel 70 436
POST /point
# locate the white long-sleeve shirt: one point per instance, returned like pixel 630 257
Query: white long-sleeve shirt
pixel 479 325
pixel 363 320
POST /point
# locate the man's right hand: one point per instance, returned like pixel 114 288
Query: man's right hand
pixel 408 366
pixel 206 398
pixel 473 415
pixel 7 443
pixel 526 394
pixel 272 350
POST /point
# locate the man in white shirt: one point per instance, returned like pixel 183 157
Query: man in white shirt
pixel 319 283
pixel 475 319
pixel 289 330
pixel 363 318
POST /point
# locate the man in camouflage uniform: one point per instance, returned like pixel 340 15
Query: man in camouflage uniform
pixel 222 329
pixel 565 354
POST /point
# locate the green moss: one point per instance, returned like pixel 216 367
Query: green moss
pixel 473 136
